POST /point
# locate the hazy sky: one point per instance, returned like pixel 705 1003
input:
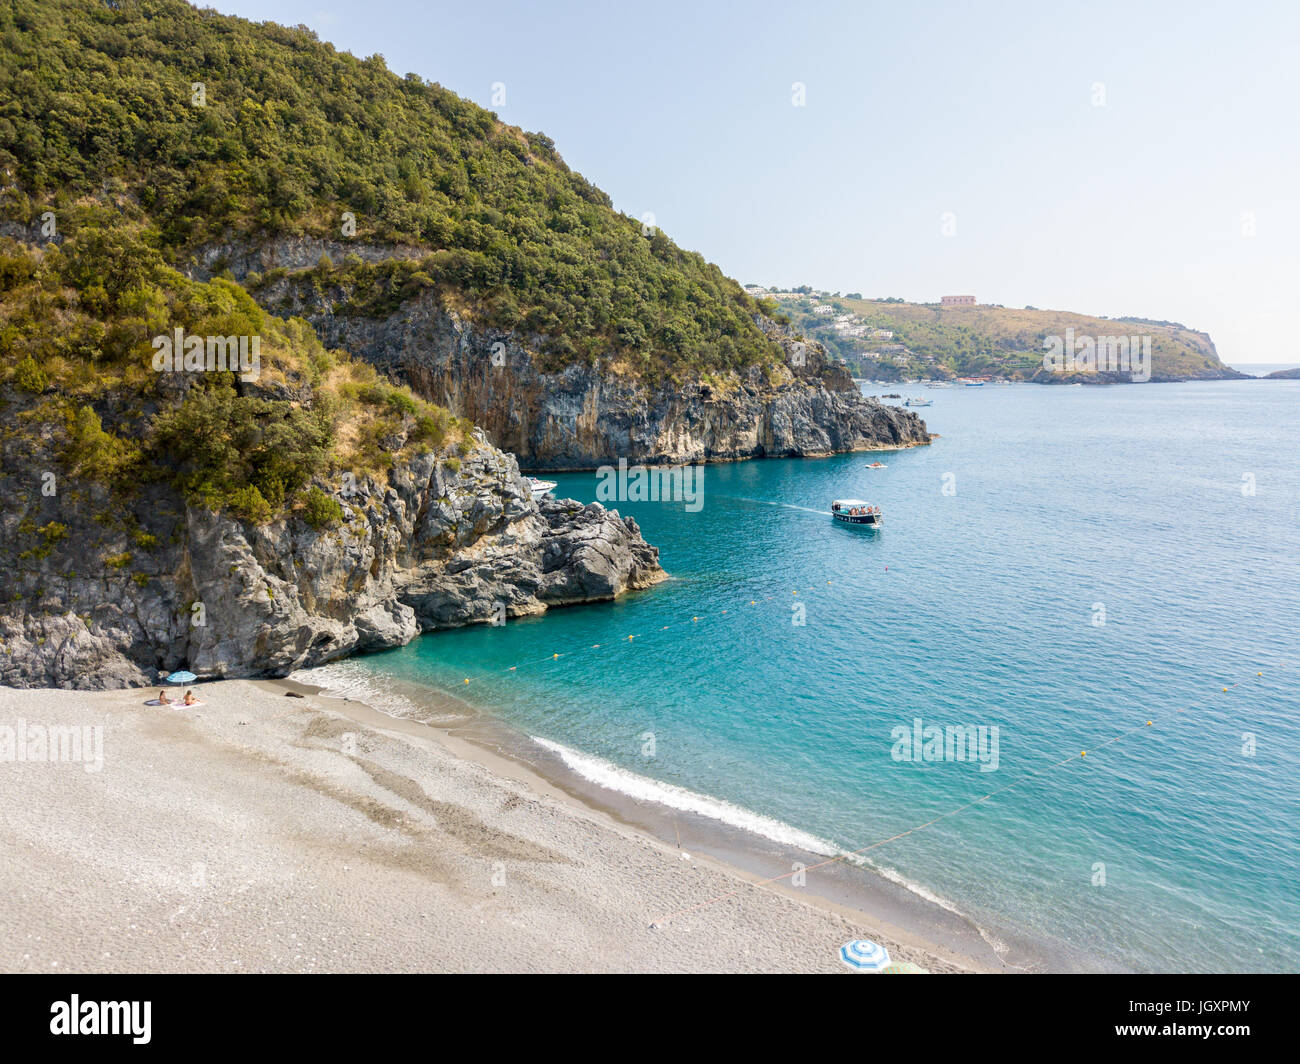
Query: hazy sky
pixel 1117 158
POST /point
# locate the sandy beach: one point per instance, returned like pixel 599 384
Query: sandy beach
pixel 266 833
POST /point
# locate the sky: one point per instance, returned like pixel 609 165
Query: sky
pixel 1110 158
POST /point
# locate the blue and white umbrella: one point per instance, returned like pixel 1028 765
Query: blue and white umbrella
pixel 182 677
pixel 864 956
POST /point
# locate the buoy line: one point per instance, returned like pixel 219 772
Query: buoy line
pixel 623 640
pixel 1027 778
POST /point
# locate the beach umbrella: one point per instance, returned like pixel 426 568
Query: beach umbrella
pixel 864 956
pixel 182 677
pixel 903 968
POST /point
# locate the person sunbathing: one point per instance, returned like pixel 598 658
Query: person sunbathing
pixel 189 698
pixel 163 700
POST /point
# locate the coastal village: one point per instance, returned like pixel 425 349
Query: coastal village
pixel 876 354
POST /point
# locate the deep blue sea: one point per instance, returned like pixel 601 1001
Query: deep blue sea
pixel 1102 557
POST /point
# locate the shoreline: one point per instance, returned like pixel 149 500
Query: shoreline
pixel 743 855
pixel 674 463
pixel 259 832
pixel 901 909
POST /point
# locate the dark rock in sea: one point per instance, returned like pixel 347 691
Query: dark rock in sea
pixel 432 548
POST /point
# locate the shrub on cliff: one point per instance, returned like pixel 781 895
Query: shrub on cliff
pixel 321 511
pixel 91 452
pixel 29 376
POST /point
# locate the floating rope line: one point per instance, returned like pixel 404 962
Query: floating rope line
pixel 623 640
pixel 1081 756
pixel 694 619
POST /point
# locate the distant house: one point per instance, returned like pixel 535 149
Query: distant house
pixel 882 334
pixel 957 301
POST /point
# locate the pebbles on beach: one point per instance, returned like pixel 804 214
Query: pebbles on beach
pixel 259 834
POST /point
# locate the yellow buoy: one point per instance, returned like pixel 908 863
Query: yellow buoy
pixel 1225 690
pixel 695 618
pixel 554 657
pixel 630 638
pixel 1083 753
pixel 1148 724
pixel 467 681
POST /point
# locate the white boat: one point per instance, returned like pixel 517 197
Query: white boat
pixel 939 384
pixel 919 402
pixel 540 488
pixel 856 512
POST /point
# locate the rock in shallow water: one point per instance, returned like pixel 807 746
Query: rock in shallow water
pixel 435 548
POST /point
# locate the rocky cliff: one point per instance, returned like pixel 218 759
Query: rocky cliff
pixel 88 605
pixel 581 416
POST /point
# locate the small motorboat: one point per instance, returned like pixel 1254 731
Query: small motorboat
pixel 540 488
pixel 856 512
pixel 919 402
pixel 875 465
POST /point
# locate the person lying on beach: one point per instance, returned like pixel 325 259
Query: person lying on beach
pixel 190 700
pixel 163 700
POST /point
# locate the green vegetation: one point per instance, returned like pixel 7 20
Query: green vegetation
pixel 287 134
pixel 85 312
pixel 321 510
pixel 50 534
pixel 29 377
pixel 933 341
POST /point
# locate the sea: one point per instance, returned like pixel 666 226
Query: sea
pixel 1050 709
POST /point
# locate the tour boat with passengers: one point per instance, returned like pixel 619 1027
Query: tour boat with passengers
pixel 540 488
pixel 856 512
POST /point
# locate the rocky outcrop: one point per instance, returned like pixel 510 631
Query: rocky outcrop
pixel 434 547
pixel 583 416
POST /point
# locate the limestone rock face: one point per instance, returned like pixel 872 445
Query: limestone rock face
pixel 580 417
pixel 432 548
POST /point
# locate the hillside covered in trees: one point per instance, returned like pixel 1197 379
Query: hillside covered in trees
pixel 204 129
pixel 890 339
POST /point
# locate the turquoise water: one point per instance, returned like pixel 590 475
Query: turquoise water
pixel 974 608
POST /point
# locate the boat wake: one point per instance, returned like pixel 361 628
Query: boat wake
pixel 768 502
